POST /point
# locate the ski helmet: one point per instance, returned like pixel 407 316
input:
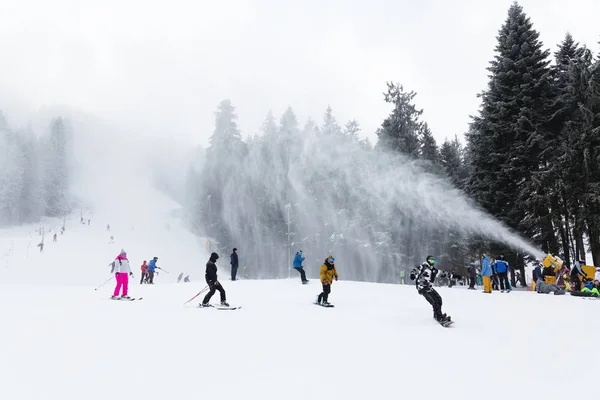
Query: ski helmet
pixel 430 260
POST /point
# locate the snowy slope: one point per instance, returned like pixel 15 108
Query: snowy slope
pixel 379 342
pixel 82 254
pixel 61 339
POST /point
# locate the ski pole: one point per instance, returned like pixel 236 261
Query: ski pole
pixel 105 282
pixel 199 293
pixel 162 270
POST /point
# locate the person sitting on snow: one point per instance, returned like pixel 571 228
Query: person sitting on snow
pixel 546 288
pixel 592 287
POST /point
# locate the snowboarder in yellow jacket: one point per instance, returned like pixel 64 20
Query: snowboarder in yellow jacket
pixel 328 274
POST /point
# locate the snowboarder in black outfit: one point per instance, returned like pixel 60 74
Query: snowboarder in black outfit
pixel 234 264
pixel 213 283
pixel 424 275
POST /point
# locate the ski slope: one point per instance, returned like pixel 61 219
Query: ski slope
pixel 61 339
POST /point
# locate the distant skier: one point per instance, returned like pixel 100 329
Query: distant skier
pixel 186 279
pixel 424 276
pixel 298 259
pixel 151 270
pixel 144 269
pixel 213 282
pixel 501 269
pixel 234 264
pixel 180 277
pixel 54 238
pixel 328 273
pixel 122 271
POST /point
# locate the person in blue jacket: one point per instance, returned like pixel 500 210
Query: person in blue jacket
pixel 151 270
pixel 501 269
pixel 298 259
pixel 486 274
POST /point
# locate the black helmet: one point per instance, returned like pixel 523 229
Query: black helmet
pixel 430 260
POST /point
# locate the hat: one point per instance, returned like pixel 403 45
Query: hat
pixel 214 257
pixel 235 249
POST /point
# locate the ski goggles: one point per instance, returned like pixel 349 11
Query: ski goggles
pixel 331 259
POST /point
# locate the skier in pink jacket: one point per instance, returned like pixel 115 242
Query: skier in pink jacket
pixel 122 271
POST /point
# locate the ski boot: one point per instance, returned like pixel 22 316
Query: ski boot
pixel 125 297
pixel 202 305
pixel 114 297
pixel 224 304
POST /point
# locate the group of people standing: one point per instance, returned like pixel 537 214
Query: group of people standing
pixel 494 274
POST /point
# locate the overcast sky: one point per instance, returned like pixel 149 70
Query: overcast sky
pixel 161 67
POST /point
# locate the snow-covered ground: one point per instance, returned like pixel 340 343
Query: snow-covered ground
pixel 61 339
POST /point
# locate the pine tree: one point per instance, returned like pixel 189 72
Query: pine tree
pixel 269 127
pixel 31 200
pixel 561 168
pixel 400 131
pixel 223 160
pixel 351 130
pixel 288 124
pixel 56 170
pixel 11 175
pixel 330 124
pixel 590 142
pixel 452 161
pixel 507 137
pixel 429 149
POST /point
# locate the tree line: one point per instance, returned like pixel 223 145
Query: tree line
pixel 531 160
pixel 34 173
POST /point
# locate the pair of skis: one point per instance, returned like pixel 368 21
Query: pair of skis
pixel 126 299
pixel 220 307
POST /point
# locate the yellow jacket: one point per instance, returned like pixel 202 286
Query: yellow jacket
pixel 327 274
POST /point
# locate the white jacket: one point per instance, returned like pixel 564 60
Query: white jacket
pixel 121 266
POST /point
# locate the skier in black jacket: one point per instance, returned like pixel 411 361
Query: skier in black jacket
pixel 213 283
pixel 424 275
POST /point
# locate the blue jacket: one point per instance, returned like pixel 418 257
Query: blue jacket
pixel 486 270
pixel 500 266
pixel 298 260
pixel 152 265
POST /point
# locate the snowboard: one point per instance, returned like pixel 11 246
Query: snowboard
pixel 323 305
